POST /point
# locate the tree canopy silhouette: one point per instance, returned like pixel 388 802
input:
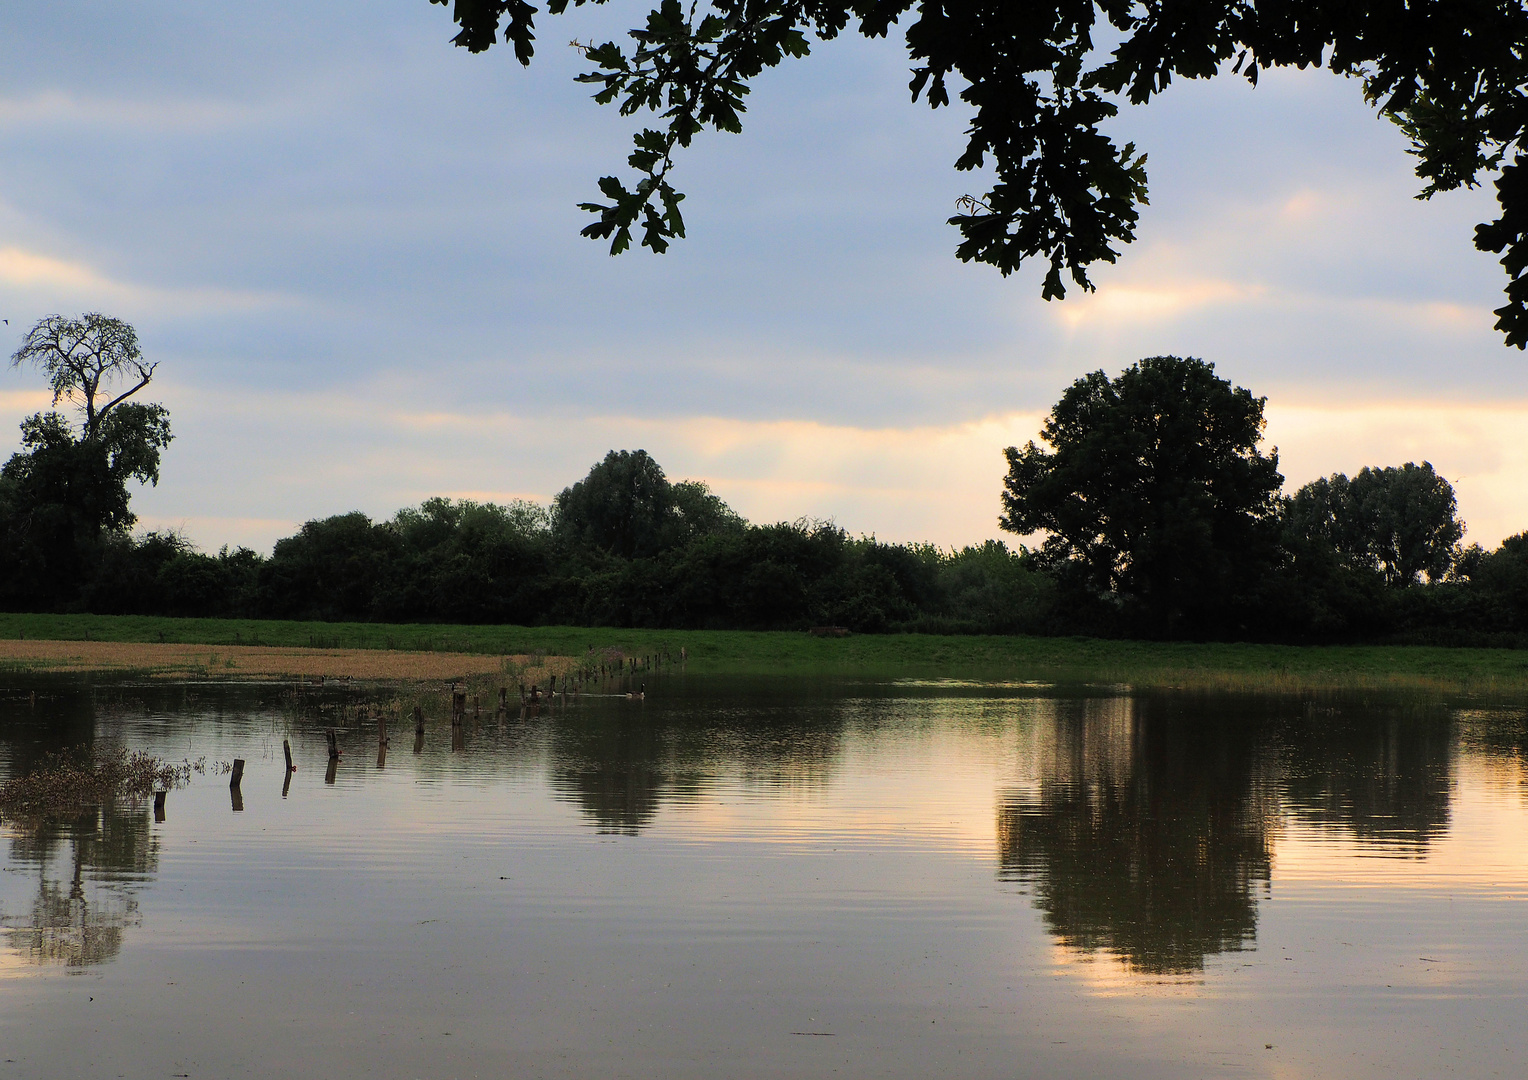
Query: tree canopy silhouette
pixel 1155 494
pixel 1400 521
pixel 1041 78
pixel 69 484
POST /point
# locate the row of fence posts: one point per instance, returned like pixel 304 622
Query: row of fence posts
pixel 530 703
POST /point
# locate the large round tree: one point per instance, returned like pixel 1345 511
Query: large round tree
pixel 1154 495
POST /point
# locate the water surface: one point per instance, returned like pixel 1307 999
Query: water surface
pixel 779 878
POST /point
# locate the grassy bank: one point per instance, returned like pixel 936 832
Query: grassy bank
pixel 1224 666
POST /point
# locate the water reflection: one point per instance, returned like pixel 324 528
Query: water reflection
pixel 1142 828
pixel 1147 834
pixel 1382 773
pixel 621 767
pixel 87 873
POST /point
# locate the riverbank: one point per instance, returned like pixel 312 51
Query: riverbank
pixel 380 650
pixel 192 661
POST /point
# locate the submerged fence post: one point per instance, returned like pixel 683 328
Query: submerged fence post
pixel 238 772
pixel 236 796
pixel 286 748
pixel 418 729
pixel 334 745
pixel 159 805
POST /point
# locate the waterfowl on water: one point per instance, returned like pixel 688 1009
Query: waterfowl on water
pixel 637 695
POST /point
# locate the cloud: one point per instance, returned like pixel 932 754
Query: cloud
pixel 62 282
pixel 356 247
pixel 1480 449
pixel 27 270
pixel 248 468
pixel 1135 304
pixel 54 109
pixel 19 403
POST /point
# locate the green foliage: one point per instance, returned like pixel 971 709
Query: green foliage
pixel 64 497
pixel 1040 81
pixel 992 589
pixel 624 507
pixel 83 359
pixel 331 569
pixel 628 549
pixel 1155 495
pixel 1498 584
pixel 1398 521
pixel 83 481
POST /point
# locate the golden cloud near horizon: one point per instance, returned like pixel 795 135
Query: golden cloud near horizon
pixel 250 467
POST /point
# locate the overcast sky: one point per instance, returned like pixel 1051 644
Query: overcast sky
pixel 354 250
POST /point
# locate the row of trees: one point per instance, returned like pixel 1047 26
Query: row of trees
pixel 1159 515
pixel 1162 517
pixel 614 561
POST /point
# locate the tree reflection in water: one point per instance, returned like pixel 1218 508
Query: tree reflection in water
pixel 1380 772
pixel 84 897
pixel 620 770
pixel 1152 821
pixel 1146 834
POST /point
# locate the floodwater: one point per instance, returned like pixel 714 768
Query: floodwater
pixel 780 878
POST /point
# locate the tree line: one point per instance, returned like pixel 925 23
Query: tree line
pixel 1151 511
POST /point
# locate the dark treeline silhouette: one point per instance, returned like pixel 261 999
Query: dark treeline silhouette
pixel 623 547
pixel 1158 514
pixel 674 555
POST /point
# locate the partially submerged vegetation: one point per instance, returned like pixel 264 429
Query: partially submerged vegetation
pixel 71 780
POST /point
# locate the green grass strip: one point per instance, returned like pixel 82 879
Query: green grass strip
pixel 1492 672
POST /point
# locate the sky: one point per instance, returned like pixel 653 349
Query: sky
pixel 353 250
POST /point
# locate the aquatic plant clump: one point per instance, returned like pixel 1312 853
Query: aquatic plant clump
pixel 70 780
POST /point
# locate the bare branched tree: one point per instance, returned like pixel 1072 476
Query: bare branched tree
pixel 86 358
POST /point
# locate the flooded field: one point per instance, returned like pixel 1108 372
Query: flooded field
pixel 775 878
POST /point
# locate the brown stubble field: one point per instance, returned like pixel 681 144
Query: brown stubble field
pixel 180 660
